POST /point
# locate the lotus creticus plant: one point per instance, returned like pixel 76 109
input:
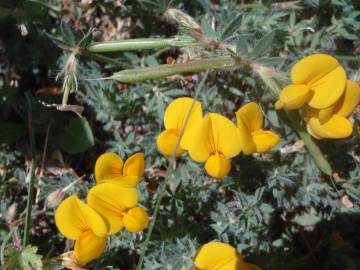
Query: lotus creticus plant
pixel 174 119
pixel 332 122
pixel 221 256
pixel 78 221
pixel 318 80
pixel 216 141
pixel 252 138
pixel 110 167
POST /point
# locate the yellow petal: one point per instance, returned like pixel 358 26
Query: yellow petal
pixel 134 166
pixel 251 115
pixel 328 89
pixel 246 142
pixel 335 128
pixel 265 140
pixel 311 132
pixel 214 255
pixel 200 147
pixel 136 220
pixel 88 247
pixel 166 143
pixel 177 110
pixel 73 217
pixel 216 134
pixel 293 96
pixel 218 166
pixel 350 99
pixel 112 200
pixel 108 167
pixel 312 68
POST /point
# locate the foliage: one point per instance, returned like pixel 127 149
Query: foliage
pixel 277 208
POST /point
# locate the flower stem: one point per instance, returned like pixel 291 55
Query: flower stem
pixel 30 197
pixel 315 152
pixel 171 169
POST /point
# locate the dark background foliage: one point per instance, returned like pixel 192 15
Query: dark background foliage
pixel 277 209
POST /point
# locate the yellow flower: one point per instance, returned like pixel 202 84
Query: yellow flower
pixel 110 167
pixel 318 80
pixel 174 118
pixel 116 204
pixel 78 221
pixel 216 141
pixel 252 138
pixel 332 122
pixel 221 256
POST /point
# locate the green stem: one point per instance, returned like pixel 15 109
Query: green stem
pixel 101 58
pixel 141 44
pixel 311 146
pixel 348 57
pixel 31 189
pixel 169 174
pixel 67 90
pixel 295 121
pixel 162 71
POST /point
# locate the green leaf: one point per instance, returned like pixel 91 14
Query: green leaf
pixel 263 45
pixel 67 32
pixel 207 29
pixel 86 40
pixel 26 259
pixel 77 136
pixel 306 220
pixel 11 132
pixel 231 27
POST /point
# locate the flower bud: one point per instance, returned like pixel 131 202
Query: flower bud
pixel 11 212
pixel 136 220
pixel 54 198
pixel 69 261
pixel 183 19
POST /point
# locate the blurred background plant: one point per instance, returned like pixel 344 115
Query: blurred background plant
pixel 278 209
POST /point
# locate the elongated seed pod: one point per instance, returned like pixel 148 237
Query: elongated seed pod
pixel 162 71
pixel 141 44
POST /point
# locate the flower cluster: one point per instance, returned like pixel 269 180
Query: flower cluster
pixel 221 256
pixel 111 206
pixel 213 139
pixel 320 86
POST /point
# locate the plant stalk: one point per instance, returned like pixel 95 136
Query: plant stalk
pixel 171 169
pixel 31 188
pixel 166 70
pixel 141 44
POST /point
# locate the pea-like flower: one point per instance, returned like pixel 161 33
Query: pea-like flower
pixel 116 204
pixel 252 138
pixel 332 122
pixel 174 119
pixel 110 167
pixel 221 256
pixel 78 221
pixel 216 141
pixel 318 80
